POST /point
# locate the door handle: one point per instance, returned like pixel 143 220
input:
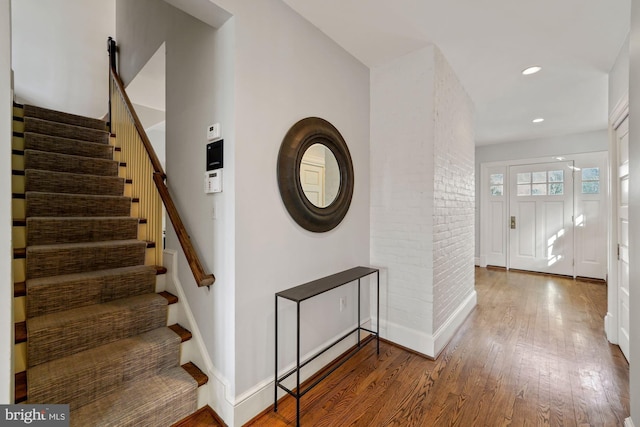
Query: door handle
pixel 513 222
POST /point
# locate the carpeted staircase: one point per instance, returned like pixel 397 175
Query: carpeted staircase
pixel 96 330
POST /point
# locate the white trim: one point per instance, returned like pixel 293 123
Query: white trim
pixel 445 333
pixel 617 116
pixel 430 345
pixel 620 111
pixel 611 328
pixel 6 256
pixel 217 393
pixel 628 422
pixel 476 261
pixel 259 397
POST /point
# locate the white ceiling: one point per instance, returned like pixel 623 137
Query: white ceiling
pixel 488 43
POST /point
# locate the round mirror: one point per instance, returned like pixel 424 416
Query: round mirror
pixel 315 174
pixel 319 175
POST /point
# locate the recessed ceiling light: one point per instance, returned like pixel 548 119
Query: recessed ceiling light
pixel 538 120
pixel 560 158
pixel 531 70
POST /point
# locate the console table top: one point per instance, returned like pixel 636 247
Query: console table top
pixel 316 287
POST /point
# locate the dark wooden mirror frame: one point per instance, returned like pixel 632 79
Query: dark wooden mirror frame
pixel 301 136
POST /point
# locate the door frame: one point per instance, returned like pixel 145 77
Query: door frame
pixel 487 167
pixel 611 324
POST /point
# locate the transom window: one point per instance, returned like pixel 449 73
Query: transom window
pixel 543 183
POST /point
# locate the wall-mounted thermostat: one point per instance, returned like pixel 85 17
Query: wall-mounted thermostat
pixel 213 181
pixel 213 131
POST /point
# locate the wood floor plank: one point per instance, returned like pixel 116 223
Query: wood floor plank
pixel 533 352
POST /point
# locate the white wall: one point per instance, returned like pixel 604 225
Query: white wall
pixel 286 70
pixel 587 142
pixel 59 53
pixel 422 198
pixel 634 211
pixel 619 76
pixel 257 75
pixel 6 253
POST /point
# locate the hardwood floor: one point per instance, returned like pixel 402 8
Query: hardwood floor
pixel 533 352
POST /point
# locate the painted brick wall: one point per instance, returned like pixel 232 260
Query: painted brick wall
pixel 454 194
pixel 422 197
pixel 402 188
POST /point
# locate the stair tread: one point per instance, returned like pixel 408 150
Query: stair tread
pixel 72 183
pixel 58 319
pixel 19 289
pixel 64 130
pixel 60 334
pixel 20 332
pixel 59 246
pixel 83 377
pixel 65 204
pixel 195 372
pixel 53 230
pixel 54 144
pixel 69 258
pixel 61 162
pixel 58 293
pixel 184 334
pixel 171 299
pixel 20 387
pixel 63 117
pixel 143 403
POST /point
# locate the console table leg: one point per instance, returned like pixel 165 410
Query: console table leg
pixel 378 313
pixel 298 370
pixel 275 358
pixel 359 313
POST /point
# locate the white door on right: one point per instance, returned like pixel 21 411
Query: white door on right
pixel 622 138
pixel 541 217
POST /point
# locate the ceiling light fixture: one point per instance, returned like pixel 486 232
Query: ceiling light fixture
pixel 531 70
pixel 538 120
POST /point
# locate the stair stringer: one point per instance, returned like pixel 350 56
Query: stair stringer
pixel 216 393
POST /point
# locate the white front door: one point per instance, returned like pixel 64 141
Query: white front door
pixel 541 217
pixel 622 139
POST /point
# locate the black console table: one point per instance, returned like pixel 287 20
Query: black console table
pixel 309 290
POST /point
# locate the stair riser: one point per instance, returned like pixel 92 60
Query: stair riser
pixel 51 205
pixel 45 261
pixel 65 131
pixel 55 162
pixel 82 378
pixel 70 334
pixel 48 231
pixel 69 183
pixel 72 147
pixel 57 116
pixel 52 295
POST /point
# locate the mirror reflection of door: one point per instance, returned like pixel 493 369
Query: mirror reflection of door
pixel 319 175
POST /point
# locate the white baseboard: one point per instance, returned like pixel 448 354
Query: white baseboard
pixel 476 261
pixel 427 344
pixel 258 398
pixel 448 329
pixel 610 329
pixel 628 422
